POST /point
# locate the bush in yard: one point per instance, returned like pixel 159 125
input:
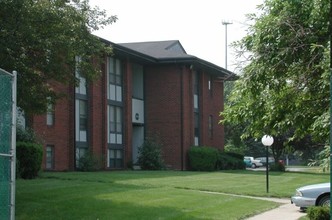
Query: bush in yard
pixel 89 162
pixel 318 213
pixel 278 167
pixel 26 135
pixel 203 158
pixel 150 154
pixel 29 158
pixel 235 155
pixel 230 161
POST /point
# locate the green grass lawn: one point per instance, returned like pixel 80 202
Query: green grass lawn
pixel 153 194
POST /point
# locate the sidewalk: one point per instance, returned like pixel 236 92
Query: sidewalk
pixel 286 211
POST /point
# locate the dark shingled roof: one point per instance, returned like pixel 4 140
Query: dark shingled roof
pixel 159 49
pixel 165 52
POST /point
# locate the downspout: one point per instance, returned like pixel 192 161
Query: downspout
pixel 181 118
pixel 103 113
pixel 73 132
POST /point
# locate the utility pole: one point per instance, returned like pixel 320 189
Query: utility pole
pixel 226 23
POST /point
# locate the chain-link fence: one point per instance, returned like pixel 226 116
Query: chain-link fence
pixel 7 143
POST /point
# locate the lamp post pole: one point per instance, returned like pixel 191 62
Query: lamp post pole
pixel 267 169
pixel 331 127
pixel 226 23
pixel 267 142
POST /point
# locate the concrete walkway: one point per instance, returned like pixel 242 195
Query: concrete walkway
pixel 286 211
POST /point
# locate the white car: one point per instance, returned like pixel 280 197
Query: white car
pixel 263 160
pixel 312 195
pixel 253 163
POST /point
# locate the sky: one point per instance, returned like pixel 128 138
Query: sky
pixel 197 24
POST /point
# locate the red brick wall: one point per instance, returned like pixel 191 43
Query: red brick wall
pixel 211 103
pixel 127 112
pixel 169 111
pixel 188 113
pixel 162 110
pixel 59 134
pixel 97 120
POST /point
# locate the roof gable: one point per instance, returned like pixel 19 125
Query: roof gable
pixel 159 49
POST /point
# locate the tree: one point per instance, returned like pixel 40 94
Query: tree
pixel 284 89
pixel 40 39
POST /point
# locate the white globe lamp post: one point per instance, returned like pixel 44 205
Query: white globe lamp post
pixel 267 141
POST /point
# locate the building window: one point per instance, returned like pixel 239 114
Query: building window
pixel 196 109
pixel 81 120
pixel 196 90
pixel 115 158
pixel 81 114
pixel 114 80
pixel 115 124
pixel 115 114
pixel 49 157
pixel 196 135
pixel 210 127
pixel 50 115
pixel 210 85
pixel 81 86
pixel 80 152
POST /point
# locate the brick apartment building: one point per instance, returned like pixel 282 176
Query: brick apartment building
pixel 145 88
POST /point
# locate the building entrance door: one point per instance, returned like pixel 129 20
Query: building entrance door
pixel 138 140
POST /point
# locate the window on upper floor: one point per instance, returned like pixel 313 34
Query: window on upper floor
pixel 50 115
pixel 210 86
pixel 114 87
pixel 81 120
pixel 196 90
pixel 81 87
pixel 137 81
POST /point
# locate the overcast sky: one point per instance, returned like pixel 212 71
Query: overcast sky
pixel 197 24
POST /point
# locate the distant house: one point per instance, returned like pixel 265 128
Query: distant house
pixel 146 88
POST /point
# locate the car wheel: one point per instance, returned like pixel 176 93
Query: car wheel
pixel 324 201
pixel 253 165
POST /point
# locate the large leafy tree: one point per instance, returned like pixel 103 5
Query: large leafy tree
pixel 284 88
pixel 40 39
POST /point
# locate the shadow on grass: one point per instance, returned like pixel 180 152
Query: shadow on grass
pixel 274 173
pixel 98 209
pixel 109 176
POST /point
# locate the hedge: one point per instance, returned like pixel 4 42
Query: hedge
pixel 209 159
pixel 203 158
pixel 230 161
pixel 29 158
pixel 318 213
